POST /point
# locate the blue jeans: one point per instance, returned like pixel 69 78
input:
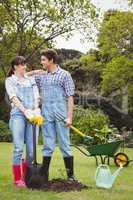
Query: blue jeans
pixel 50 129
pixel 21 132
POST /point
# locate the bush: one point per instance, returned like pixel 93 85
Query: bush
pixel 5 133
pixel 87 120
pixel 4 107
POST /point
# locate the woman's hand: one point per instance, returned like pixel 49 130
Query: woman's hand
pixel 29 114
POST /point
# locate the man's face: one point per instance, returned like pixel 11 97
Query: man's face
pixel 46 63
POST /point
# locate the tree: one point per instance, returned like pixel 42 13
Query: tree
pixel 116 35
pixel 118 75
pixel 130 2
pixel 26 21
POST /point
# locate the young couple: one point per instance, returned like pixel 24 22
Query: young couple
pixel 56 89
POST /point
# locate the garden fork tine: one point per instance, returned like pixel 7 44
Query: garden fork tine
pixel 59 116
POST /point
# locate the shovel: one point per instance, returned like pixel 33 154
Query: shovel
pixel 33 177
pixel 59 116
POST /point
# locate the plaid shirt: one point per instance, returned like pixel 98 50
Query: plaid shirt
pixel 59 77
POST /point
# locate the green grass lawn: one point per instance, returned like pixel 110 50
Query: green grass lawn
pixel 84 170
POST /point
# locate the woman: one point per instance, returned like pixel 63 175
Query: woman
pixel 24 96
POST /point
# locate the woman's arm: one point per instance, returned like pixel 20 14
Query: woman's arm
pixel 18 104
pixel 11 91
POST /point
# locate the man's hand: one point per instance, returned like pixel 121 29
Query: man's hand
pixel 35 72
pixel 68 122
pixel 39 72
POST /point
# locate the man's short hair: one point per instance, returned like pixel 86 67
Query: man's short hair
pixel 51 54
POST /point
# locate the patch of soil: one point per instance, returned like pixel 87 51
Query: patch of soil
pixel 61 185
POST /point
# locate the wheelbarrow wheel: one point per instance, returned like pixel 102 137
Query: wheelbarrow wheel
pixel 121 159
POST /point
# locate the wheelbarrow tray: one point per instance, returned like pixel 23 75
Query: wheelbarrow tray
pixel 104 149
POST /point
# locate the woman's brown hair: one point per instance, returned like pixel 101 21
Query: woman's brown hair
pixel 18 60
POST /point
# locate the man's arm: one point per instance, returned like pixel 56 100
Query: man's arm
pixel 35 72
pixel 70 106
pixel 69 88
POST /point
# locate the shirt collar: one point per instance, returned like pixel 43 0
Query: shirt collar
pixel 17 79
pixel 56 71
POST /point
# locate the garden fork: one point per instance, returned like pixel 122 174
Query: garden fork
pixel 60 117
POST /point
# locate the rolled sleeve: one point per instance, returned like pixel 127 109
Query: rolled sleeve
pixel 35 88
pixel 69 85
pixel 10 88
pixel 38 79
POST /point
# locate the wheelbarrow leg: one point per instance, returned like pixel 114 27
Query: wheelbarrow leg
pixel 96 160
pixel 102 160
pixel 108 160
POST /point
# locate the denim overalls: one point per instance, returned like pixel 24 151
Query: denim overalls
pixel 54 100
pixel 20 127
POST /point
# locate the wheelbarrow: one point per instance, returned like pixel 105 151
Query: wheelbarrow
pixel 103 151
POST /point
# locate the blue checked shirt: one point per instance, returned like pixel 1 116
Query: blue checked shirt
pixel 59 77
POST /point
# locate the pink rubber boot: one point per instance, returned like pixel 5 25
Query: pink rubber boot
pixel 17 176
pixel 23 168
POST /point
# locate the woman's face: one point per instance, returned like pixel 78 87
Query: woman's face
pixel 20 69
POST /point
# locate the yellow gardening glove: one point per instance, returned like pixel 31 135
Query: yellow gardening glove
pixel 34 117
pixel 38 118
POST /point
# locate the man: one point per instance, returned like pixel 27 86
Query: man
pixel 57 90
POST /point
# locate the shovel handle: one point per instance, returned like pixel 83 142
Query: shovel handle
pixel 34 144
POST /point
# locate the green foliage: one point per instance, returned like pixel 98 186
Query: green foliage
pixel 4 107
pixel 91 63
pixel 87 120
pixel 5 133
pixel 85 72
pixel 28 26
pixel 115 36
pixel 129 1
pixel 117 74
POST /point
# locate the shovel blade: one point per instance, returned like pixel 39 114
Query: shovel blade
pixel 33 177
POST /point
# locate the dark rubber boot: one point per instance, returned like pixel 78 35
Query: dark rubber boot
pixel 69 168
pixel 45 168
